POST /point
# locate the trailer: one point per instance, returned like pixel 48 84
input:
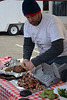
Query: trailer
pixel 11 17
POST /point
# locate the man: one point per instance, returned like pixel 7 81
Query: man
pixel 47 32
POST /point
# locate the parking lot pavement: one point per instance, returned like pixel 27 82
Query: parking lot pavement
pixel 13 46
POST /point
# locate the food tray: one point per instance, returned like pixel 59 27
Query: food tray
pixel 13 62
pixel 15 83
pixel 12 73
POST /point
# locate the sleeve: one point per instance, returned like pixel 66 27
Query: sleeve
pixel 27 30
pixel 27 48
pixel 55 50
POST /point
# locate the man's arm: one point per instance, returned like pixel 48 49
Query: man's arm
pixel 27 48
pixel 55 50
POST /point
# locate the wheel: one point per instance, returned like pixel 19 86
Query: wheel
pixel 22 29
pixel 13 29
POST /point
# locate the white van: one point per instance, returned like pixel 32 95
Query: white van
pixel 11 16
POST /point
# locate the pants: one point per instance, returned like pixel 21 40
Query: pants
pixel 60 61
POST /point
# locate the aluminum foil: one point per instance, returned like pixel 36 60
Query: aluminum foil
pixel 44 73
pixel 12 73
pixel 12 63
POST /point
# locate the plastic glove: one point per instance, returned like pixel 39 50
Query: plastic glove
pixel 28 65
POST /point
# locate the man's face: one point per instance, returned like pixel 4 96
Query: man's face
pixel 34 19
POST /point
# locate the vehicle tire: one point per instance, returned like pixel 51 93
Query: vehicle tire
pixel 22 29
pixel 13 29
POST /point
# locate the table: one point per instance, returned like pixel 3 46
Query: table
pixel 10 92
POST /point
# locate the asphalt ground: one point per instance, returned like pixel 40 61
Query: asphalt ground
pixel 13 46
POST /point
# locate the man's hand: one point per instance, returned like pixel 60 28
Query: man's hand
pixel 28 65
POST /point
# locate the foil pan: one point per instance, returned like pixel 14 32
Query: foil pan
pixel 14 82
pixel 21 88
pixel 12 63
pixel 12 73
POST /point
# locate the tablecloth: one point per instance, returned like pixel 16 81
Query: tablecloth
pixel 10 92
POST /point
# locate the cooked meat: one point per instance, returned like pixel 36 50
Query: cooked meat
pixel 29 82
pixel 18 69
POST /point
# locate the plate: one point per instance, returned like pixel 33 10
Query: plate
pixel 61 87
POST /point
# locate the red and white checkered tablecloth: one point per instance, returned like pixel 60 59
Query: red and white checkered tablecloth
pixel 37 97
pixel 10 92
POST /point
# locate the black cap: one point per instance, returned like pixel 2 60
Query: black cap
pixel 30 7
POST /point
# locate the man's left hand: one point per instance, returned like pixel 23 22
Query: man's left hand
pixel 29 65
